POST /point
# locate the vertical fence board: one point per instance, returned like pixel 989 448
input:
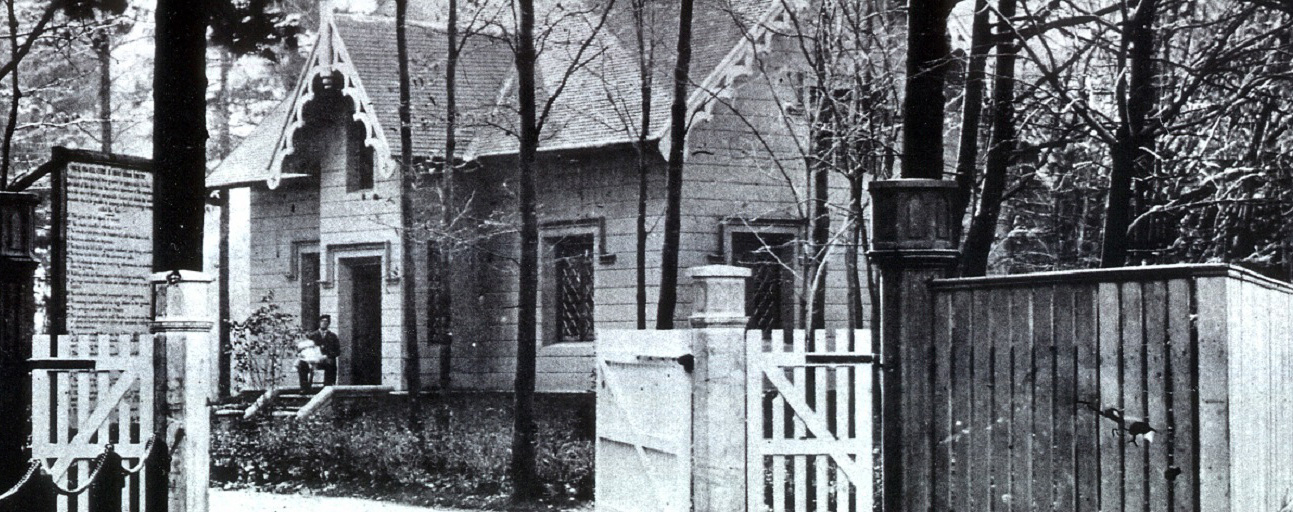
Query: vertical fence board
pixel 1043 482
pixel 943 417
pixel 1087 424
pixel 1182 412
pixel 1213 384
pixel 1065 461
pixel 1001 396
pixel 1133 397
pixel 1111 457
pixel 980 436
pixel 962 355
pixel 1157 387
pixel 1021 397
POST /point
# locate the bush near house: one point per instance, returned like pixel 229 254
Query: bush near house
pixel 460 460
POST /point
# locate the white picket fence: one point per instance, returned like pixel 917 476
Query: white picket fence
pixel 76 412
pixel 809 443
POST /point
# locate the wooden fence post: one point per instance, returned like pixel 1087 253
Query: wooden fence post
pixel 105 492
pixel 718 393
pixel 17 305
pixel 182 322
pixel 914 240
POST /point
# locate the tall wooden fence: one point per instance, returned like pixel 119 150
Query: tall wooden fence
pixel 1153 388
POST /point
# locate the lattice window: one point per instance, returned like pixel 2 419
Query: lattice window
pixel 769 299
pixel 439 316
pixel 573 288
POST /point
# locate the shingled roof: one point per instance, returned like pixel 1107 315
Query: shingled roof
pixel 599 103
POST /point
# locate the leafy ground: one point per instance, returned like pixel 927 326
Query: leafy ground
pixel 458 458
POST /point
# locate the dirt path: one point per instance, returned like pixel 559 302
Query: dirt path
pixel 251 501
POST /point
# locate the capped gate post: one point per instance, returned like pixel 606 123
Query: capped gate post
pixel 182 343
pixel 718 394
pixel 17 313
pixel 914 240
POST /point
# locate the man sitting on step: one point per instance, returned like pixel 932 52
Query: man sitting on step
pixel 320 351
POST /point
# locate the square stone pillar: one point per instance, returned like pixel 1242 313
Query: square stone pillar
pixel 914 240
pixel 182 321
pixel 718 393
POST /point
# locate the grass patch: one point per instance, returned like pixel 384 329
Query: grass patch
pixel 459 459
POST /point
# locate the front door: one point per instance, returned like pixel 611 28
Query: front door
pixel 365 319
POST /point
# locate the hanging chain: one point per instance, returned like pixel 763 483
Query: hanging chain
pixel 31 470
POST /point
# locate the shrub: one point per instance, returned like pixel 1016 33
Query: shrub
pixel 461 457
pixel 263 344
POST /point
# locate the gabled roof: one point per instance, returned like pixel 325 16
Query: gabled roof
pixel 599 102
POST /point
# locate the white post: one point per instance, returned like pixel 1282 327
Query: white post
pixel 718 395
pixel 182 317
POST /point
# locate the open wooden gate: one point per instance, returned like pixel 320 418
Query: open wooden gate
pixel 90 391
pixel 809 438
pixel 643 421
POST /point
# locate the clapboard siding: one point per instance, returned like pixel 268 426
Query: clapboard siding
pixel 1026 365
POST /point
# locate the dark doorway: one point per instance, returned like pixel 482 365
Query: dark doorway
pixel 309 291
pixel 364 316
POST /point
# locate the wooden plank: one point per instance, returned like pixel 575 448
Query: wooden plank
pixel 1134 401
pixel 1021 398
pixel 820 484
pixel 916 393
pixel 1109 318
pixel 799 464
pixel 1181 438
pixel 942 406
pixel 778 461
pixel 1213 379
pixel 1157 387
pixel 1246 457
pixel 1043 343
pixel 961 353
pixel 1086 430
pixel 980 437
pixel 754 467
pixel 842 417
pixel 1064 463
pixel 1001 398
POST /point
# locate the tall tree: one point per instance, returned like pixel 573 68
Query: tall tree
pixel 442 297
pixel 673 176
pixel 524 472
pixel 1133 152
pixel 928 61
pixel 967 159
pixel 531 120
pixel 1001 149
pixel 179 135
pixel 407 176
pixel 646 65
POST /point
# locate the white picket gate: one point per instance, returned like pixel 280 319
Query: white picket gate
pixel 643 421
pixel 76 412
pixel 809 439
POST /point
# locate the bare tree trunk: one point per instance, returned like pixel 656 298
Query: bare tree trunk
pixel 16 93
pixel 645 63
pixel 442 301
pixel 968 152
pixel 523 469
pixel 224 144
pixel 1132 154
pixel 983 228
pixel 102 43
pixel 928 58
pixel 412 357
pixel 673 178
pixel 179 135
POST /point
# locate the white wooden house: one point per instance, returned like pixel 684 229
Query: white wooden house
pixel 325 194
